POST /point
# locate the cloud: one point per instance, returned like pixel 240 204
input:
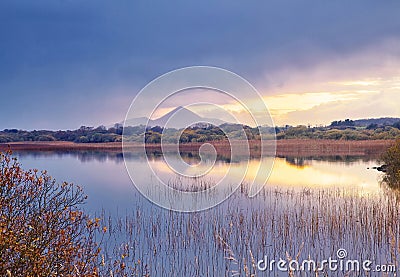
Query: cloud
pixel 383 104
pixel 64 54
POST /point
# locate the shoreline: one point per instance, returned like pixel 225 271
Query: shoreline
pixel 289 147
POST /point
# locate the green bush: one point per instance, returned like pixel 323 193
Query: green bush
pixel 391 158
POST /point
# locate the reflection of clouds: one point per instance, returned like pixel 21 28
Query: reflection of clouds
pixel 321 175
pixel 287 172
pixel 314 174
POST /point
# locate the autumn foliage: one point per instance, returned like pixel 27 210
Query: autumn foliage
pixel 391 158
pixel 42 230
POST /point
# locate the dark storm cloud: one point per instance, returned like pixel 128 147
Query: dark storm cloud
pixel 66 63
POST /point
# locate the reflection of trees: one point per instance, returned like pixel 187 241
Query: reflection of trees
pixel 299 162
pixel 189 156
pixel 302 160
pixel 83 156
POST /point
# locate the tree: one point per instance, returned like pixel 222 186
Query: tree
pixel 391 158
pixel 372 126
pixel 42 230
pixel 397 125
pixel 152 137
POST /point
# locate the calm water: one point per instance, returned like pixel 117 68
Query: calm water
pixel 104 178
pixel 311 207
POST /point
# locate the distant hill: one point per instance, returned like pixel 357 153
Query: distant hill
pixel 376 122
pixel 185 119
pixel 383 121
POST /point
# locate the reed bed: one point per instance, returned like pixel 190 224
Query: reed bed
pixel 229 239
pixel 285 147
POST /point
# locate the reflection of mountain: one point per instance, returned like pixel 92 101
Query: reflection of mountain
pixel 184 118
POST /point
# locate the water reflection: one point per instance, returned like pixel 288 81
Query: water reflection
pixel 190 156
pixel 322 172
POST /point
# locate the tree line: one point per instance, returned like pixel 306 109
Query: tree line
pixel 338 130
pixel 82 135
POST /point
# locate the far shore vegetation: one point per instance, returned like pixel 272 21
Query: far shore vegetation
pixel 369 129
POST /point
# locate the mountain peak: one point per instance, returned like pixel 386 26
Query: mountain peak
pixel 185 119
pixel 179 109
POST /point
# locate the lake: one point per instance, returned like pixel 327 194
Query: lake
pixel 104 178
pixel 311 207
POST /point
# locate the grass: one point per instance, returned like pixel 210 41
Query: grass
pixel 289 147
pixel 229 239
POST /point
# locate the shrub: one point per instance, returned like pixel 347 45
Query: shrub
pixel 42 230
pixel 391 158
pixel 46 138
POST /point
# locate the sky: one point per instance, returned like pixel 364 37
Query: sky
pixel 66 63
